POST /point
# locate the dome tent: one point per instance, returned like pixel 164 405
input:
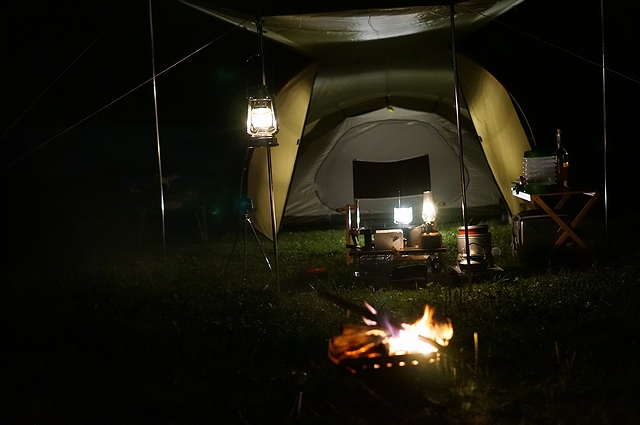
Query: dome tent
pixel 370 63
pixel 390 127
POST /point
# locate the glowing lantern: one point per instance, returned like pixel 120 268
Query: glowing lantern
pixel 402 215
pixel 428 208
pixel 261 115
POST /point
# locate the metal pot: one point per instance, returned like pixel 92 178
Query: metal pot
pixel 479 256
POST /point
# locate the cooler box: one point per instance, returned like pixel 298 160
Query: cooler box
pixel 533 235
pixel 387 239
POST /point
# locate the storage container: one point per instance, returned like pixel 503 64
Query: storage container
pixel 387 239
pixel 539 170
pixel 533 235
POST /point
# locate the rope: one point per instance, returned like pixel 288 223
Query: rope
pixel 20 158
pixel 26 111
pixel 599 65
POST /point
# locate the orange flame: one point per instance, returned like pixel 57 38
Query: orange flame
pixel 417 337
pixel 424 336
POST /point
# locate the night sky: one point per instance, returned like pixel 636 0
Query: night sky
pixel 200 101
pixel 63 64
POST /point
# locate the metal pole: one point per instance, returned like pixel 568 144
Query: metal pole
pixel 155 103
pixel 244 249
pixel 259 29
pixel 274 226
pixel 459 130
pixel 272 203
pixel 604 121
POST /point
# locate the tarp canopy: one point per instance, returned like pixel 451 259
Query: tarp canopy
pixel 351 33
pixel 369 63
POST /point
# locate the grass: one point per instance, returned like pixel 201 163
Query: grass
pixel 121 335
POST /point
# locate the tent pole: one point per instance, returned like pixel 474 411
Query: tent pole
pixel 454 61
pixel 604 121
pixel 155 103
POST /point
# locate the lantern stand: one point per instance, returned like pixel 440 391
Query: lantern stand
pixel 245 206
pixel 262 127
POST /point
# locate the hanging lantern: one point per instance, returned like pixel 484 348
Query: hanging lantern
pixel 262 124
pixel 261 115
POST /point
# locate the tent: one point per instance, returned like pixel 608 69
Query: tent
pixel 382 88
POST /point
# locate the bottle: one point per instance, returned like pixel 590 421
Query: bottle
pixel 562 162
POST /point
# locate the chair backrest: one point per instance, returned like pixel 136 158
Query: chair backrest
pixel 391 179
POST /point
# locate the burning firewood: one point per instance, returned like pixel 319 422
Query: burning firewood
pixel 379 337
pixel 358 341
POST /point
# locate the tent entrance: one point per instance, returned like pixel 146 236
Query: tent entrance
pixel 323 180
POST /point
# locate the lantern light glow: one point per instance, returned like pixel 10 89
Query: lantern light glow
pixel 261 116
pixel 402 215
pixel 428 207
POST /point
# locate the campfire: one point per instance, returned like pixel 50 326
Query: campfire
pixel 380 344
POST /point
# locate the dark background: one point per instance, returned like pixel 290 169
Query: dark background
pixel 77 121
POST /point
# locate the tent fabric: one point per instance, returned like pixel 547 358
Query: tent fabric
pixel 322 181
pixel 369 63
pixel 355 95
pixel 293 102
pixel 497 124
pixel 349 33
pixel 348 118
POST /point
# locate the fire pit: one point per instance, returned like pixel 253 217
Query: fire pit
pixel 391 355
pixel 410 363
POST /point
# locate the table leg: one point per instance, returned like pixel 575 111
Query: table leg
pixel 563 201
pixel 567 230
pixel 585 210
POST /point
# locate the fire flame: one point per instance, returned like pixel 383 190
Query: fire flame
pixel 375 339
pixel 417 337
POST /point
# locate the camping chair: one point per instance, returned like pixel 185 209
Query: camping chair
pixel 393 181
